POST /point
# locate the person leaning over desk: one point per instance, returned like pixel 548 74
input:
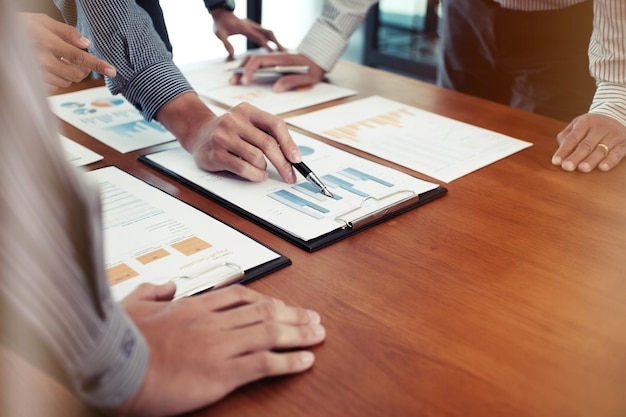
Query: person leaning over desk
pixel 239 141
pixel 147 355
pixel 61 49
pixel 536 55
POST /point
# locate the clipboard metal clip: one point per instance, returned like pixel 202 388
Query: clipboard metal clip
pixel 215 276
pixel 352 219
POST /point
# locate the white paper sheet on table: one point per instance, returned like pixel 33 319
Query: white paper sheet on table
pixel 150 236
pixel 77 154
pixel 109 119
pixel 213 82
pixel 437 146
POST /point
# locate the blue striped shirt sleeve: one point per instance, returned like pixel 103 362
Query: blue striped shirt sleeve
pixel 122 34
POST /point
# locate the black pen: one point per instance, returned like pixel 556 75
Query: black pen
pixel 312 178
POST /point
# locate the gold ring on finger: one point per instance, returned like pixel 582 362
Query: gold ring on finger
pixel 604 148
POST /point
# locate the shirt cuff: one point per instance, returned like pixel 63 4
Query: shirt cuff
pixel 116 368
pixel 610 100
pixel 323 45
pixel 155 87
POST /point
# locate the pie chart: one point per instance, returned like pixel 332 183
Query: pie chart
pixel 107 102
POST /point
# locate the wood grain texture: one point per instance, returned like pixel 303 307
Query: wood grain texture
pixel 506 297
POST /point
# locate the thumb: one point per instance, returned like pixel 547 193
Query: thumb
pixel 151 292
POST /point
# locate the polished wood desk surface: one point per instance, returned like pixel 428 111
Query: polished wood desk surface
pixel 507 297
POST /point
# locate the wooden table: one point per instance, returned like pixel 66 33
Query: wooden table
pixel 506 297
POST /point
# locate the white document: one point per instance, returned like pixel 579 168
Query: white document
pixel 213 82
pixel 77 154
pixel 425 142
pixel 210 75
pixel 359 187
pixel 150 236
pixel 109 119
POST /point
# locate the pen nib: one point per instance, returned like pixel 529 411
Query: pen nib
pixel 327 193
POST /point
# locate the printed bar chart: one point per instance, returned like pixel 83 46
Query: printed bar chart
pixel 360 188
pixel 425 142
pixel 350 182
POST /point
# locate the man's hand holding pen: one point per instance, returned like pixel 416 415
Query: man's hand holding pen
pixel 238 141
pixel 310 176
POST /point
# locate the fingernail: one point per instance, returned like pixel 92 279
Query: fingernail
pixel 307 358
pixel 557 160
pixel 584 167
pixel 568 166
pixel 292 177
pixel 295 156
pixel 318 329
pixel 603 167
pixel 84 42
pixel 315 318
pixel 110 72
pixel 278 302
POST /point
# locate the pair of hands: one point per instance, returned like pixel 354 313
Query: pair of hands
pixel 205 346
pixel 244 139
pixel 62 50
pixel 590 141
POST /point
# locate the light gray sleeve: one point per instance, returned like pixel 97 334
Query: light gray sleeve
pixel 607 58
pixel 328 37
pixel 52 271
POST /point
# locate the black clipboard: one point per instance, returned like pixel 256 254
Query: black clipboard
pixel 227 273
pixel 351 225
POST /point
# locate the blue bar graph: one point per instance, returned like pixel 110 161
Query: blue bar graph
pixel 355 174
pixel 346 179
pixel 312 191
pixel 338 182
pixel 132 129
pixel 298 203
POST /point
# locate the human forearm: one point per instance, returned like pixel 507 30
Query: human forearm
pixel 185 116
pixel 328 37
pixel 122 34
pixel 607 57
